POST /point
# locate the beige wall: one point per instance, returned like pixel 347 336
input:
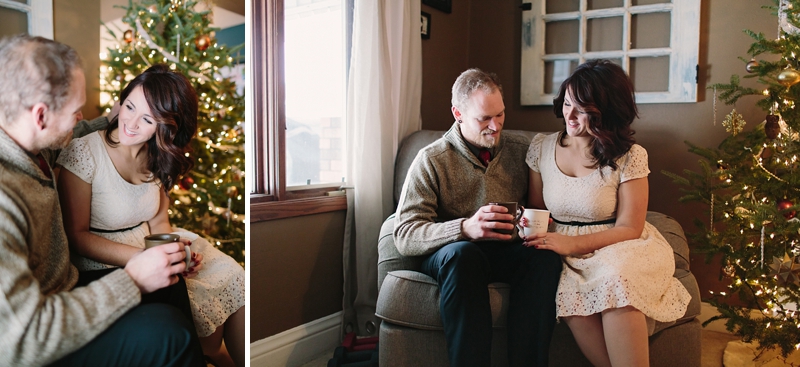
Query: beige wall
pixel 295 272
pixel 75 23
pixel 486 34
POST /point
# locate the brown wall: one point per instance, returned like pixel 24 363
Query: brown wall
pixel 295 266
pixel 488 31
pixel 77 23
pixel 295 272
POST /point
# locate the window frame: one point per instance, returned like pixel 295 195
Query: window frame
pixel 40 16
pixel 683 50
pixel 269 197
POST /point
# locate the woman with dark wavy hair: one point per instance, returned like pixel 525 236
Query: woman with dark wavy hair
pixel 115 191
pixel 592 177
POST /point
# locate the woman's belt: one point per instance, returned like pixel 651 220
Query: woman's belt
pixel 580 224
pixel 113 230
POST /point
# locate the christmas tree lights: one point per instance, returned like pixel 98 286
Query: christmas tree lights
pixel 209 199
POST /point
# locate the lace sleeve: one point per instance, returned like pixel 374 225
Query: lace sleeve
pixel 535 152
pixel 635 165
pixel 78 159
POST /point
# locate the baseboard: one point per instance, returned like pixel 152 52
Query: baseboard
pixel 297 346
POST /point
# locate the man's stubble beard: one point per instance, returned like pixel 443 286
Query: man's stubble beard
pixel 62 142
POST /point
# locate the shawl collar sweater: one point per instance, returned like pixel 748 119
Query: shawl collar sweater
pixel 447 184
pixel 42 318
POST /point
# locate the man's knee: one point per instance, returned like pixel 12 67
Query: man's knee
pixel 461 254
pixel 458 263
pixel 163 328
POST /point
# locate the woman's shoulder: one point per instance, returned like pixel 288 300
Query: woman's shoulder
pixel 637 151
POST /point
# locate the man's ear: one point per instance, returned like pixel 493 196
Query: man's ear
pixel 38 113
pixel 456 113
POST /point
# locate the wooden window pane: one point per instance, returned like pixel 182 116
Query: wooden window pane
pixel 14 22
pixel 604 34
pixel 650 74
pixel 603 4
pixel 650 30
pixel 555 72
pixel 648 2
pixel 562 6
pixel 561 37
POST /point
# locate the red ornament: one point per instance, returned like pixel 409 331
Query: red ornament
pixel 187 182
pixel 783 207
pixel 128 36
pixel 772 127
pixel 202 42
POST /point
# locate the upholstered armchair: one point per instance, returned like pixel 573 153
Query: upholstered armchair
pixel 408 301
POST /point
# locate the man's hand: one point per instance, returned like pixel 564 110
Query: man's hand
pixel 157 267
pixel 486 220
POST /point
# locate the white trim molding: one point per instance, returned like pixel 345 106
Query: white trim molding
pixel 681 53
pixel 299 345
pixel 40 15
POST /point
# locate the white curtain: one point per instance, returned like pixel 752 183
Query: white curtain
pixel 383 107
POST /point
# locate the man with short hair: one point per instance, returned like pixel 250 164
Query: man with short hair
pixel 44 318
pixel 444 215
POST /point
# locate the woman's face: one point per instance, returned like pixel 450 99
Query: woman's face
pixel 136 123
pixel 576 119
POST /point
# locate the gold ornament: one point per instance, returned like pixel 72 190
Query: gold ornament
pixel 751 66
pixel 232 191
pixel 128 36
pixel 152 8
pixel 729 270
pixel 786 271
pixel 202 42
pixel 788 77
pixel 734 122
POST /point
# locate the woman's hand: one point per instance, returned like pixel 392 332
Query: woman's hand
pixel 196 265
pixel 558 243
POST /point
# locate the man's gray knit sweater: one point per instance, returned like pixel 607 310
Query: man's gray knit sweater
pixel 42 318
pixel 447 184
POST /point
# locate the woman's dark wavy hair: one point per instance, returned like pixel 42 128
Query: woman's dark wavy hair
pixel 173 103
pixel 604 91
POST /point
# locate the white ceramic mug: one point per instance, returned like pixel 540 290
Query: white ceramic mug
pixel 164 238
pixel 538 221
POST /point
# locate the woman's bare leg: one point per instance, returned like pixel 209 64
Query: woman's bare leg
pixel 214 349
pixel 234 336
pixel 588 332
pixel 626 337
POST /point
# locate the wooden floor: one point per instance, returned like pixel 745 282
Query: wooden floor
pixel 714 343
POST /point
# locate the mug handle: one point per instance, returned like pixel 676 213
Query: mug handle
pixel 520 210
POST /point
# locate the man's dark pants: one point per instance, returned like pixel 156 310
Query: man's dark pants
pixel 464 270
pixel 158 332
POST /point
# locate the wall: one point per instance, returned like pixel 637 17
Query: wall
pixel 488 31
pixel 295 272
pixel 75 24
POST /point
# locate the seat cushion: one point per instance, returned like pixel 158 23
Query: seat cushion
pixel 410 298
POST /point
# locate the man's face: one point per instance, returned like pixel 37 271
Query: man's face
pixel 482 118
pixel 63 121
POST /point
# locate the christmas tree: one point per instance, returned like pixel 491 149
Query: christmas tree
pixel 208 200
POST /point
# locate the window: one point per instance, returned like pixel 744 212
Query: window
pixel 296 116
pixel 655 41
pixel 34 17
